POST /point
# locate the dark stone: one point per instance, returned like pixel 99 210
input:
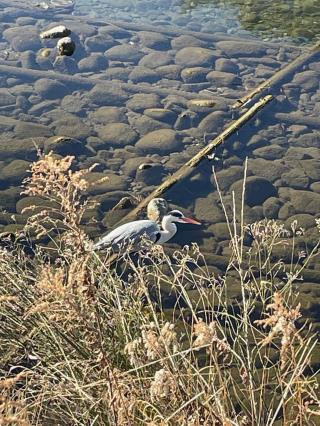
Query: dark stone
pixel 50 89
pixel 257 190
pixel 93 63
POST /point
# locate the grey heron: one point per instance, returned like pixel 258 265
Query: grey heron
pixel 132 233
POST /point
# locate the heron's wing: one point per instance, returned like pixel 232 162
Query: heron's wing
pixel 129 234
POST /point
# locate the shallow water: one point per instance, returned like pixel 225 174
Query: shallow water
pixel 130 97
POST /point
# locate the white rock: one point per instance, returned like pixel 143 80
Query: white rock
pixel 56 32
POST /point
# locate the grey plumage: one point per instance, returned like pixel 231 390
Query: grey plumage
pixel 129 234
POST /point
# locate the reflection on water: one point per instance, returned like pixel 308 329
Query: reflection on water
pixel 296 19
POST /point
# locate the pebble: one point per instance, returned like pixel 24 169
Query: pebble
pixel 156 59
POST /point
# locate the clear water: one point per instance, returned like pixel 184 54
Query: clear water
pixel 148 84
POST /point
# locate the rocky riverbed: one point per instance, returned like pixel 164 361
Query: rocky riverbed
pixel 140 101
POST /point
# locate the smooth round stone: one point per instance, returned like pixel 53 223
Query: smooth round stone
pixel 28 60
pixel 64 146
pixel 271 207
pixel 116 135
pixel 23 42
pixel 142 74
pixel 286 211
pixel 82 29
pixel 315 187
pixel 226 65
pixel 161 114
pixel 107 95
pixel 241 48
pixel 154 40
pixel 189 57
pixel 106 115
pixel 25 149
pixel 160 142
pixel 213 122
pixel 14 172
pixel 258 189
pixel 50 89
pixel 207 209
pixel 111 182
pixel 144 124
pixel 131 165
pixel 220 78
pixel 182 41
pixel 305 201
pixel 30 201
pixel 194 75
pixel 29 130
pixel 124 53
pixel 305 221
pixel 271 170
pixel 114 31
pixel 270 152
pixel 75 103
pixel 171 72
pixel 307 80
pixel 156 59
pixel 65 64
pixel 141 101
pixel 118 73
pixel 71 126
pixel 6 98
pixel 9 197
pixel 99 43
pixel 228 176
pixel 150 174
pixel 295 178
pixel 93 63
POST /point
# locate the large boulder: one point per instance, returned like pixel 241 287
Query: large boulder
pixel 195 57
pixel 116 135
pixel 257 190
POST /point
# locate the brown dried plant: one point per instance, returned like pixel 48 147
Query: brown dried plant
pixel 54 180
pixel 281 321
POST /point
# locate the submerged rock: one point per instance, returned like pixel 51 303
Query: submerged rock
pixel 63 145
pixel 161 141
pixel 116 135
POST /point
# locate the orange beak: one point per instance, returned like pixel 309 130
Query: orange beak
pixel 189 220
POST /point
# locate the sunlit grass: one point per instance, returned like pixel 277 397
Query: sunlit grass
pixel 86 344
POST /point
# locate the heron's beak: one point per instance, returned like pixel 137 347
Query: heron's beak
pixel 189 220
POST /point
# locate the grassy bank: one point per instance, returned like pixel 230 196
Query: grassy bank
pixel 155 341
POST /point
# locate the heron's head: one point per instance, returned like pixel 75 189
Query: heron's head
pixel 178 216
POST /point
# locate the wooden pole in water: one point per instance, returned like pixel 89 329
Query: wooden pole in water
pixel 279 75
pixel 190 165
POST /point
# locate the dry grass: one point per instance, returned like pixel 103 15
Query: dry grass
pixel 83 345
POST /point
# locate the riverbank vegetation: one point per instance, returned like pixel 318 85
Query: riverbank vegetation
pixel 154 340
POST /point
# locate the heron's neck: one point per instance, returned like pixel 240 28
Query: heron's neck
pixel 169 229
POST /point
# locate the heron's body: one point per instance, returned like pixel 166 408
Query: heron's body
pixel 131 234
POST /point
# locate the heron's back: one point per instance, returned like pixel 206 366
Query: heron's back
pixel 129 234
